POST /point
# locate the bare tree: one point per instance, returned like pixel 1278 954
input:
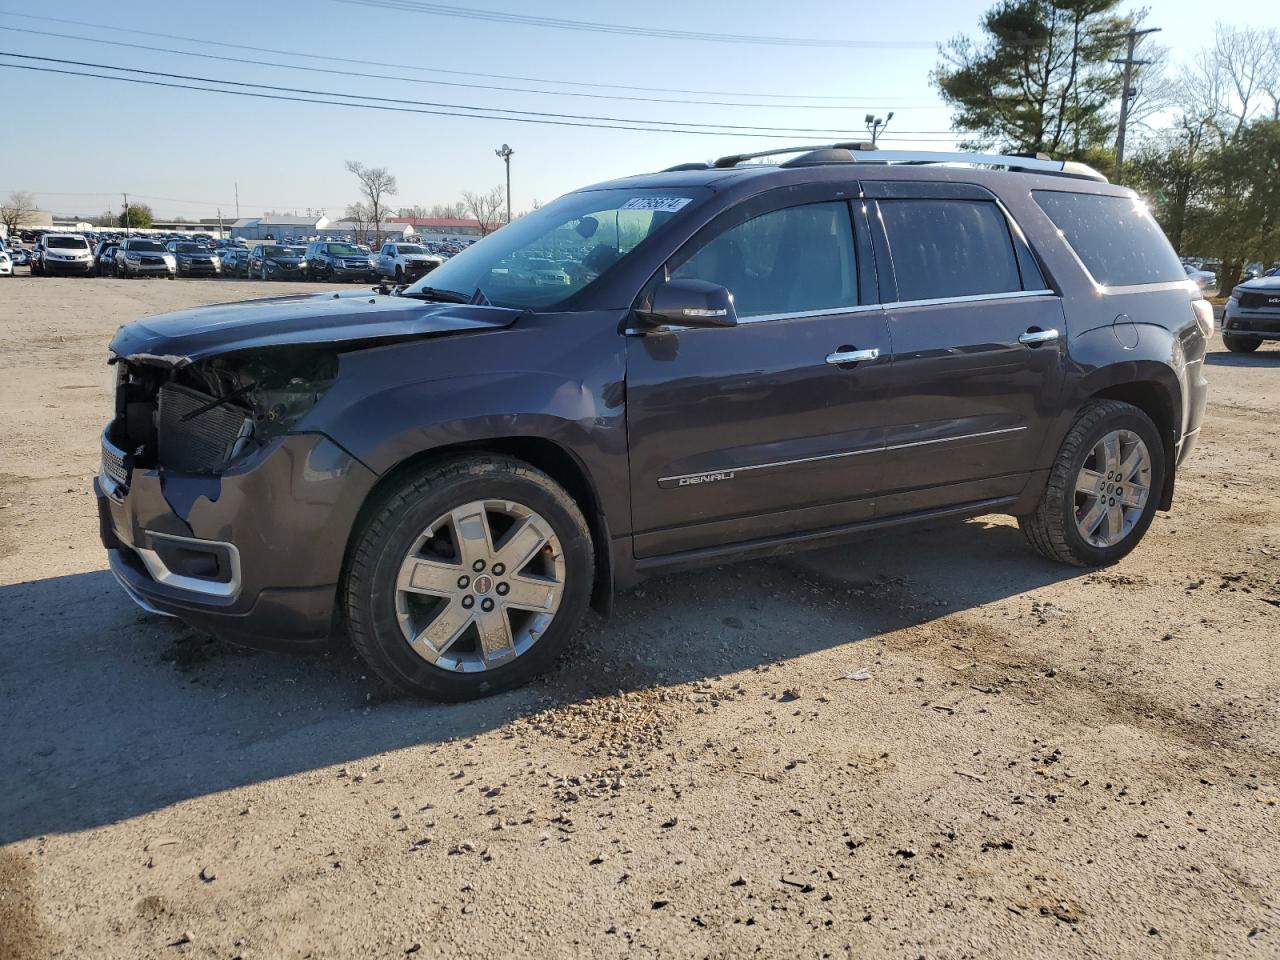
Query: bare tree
pixel 376 183
pixel 1234 81
pixel 487 209
pixel 360 217
pixel 18 211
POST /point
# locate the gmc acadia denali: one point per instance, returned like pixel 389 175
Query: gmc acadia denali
pixel 744 358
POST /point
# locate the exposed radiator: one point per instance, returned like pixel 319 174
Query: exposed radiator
pixel 203 443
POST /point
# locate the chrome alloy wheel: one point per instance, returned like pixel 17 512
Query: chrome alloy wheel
pixel 1112 488
pixel 480 585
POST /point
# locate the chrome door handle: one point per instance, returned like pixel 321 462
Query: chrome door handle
pixel 851 356
pixel 1033 337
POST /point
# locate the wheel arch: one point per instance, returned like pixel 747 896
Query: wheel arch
pixel 1159 400
pixel 552 458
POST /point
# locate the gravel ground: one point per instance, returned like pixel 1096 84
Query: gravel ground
pixel 925 745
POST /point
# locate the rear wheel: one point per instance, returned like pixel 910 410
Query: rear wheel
pixel 1102 490
pixel 1241 344
pixel 468 578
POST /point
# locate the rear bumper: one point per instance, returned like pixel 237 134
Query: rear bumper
pixel 254 555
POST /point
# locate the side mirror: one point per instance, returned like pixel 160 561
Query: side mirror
pixel 686 302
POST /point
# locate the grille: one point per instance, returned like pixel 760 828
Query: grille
pixel 1258 301
pixel 113 467
pixel 204 442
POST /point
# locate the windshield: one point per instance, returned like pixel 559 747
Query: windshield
pixel 145 246
pixel 547 256
pixel 282 251
pixel 67 243
pixel 191 248
pixel 410 248
pixel 341 250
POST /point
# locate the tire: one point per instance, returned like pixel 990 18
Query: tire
pixel 395 525
pixel 1241 344
pixel 1052 529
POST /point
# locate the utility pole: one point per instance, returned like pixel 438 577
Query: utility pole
pixel 876 125
pixel 505 153
pixel 222 234
pixel 1127 92
pixel 126 214
pixel 237 199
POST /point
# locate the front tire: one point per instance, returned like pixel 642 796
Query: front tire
pixel 1103 487
pixel 1241 344
pixel 468 577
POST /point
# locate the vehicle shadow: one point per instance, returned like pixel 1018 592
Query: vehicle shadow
pixel 1262 358
pixel 109 713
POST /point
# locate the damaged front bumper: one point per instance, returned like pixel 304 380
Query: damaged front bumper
pixel 253 554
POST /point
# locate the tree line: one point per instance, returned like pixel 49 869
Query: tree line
pixel 1041 76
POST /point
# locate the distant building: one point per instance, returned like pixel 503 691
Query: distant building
pixel 278 227
pixel 433 227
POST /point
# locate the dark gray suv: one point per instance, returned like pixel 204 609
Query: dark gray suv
pixel 722 360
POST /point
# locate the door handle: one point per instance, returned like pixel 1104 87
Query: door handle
pixel 1034 337
pixel 851 356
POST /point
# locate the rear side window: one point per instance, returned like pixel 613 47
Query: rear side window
pixel 795 260
pixel 1116 238
pixel 949 248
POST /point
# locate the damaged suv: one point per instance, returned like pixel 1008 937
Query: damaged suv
pixel 744 358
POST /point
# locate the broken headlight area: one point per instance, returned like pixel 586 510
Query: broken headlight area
pixel 201 417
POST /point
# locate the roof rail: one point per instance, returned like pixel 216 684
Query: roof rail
pixel 736 158
pixel 863 152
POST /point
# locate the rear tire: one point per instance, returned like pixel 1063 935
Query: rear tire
pixel 1075 491
pixel 1241 344
pixel 382 614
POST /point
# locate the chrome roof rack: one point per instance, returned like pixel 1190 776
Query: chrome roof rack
pixel 862 152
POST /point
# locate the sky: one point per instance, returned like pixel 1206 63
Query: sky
pixel 78 143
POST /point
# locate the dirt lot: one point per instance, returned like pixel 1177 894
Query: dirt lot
pixel 1043 762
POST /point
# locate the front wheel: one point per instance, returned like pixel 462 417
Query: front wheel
pixel 1103 488
pixel 468 577
pixel 1241 344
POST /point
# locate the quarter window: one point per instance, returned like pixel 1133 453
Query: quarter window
pixel 794 260
pixel 1116 238
pixel 949 248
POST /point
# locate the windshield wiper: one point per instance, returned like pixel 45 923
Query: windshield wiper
pixel 441 296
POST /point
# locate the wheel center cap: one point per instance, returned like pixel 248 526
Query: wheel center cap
pixel 483 584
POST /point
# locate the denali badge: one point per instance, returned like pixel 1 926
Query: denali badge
pixel 692 479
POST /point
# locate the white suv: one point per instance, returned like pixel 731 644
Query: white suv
pixel 405 262
pixel 62 253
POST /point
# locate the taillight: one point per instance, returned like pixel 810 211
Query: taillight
pixel 1203 310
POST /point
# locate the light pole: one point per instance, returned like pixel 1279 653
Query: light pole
pixel 876 125
pixel 505 153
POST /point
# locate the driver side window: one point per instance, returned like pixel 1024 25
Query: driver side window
pixel 793 260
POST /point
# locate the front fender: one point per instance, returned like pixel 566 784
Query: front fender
pixel 559 381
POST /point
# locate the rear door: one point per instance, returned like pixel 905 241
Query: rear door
pixel 761 431
pixel 978 341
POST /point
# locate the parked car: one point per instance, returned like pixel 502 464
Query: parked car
pixel 235 261
pixel 749 358
pixel 1251 270
pixel 194 259
pixel 1252 313
pixel 6 262
pixel 337 262
pixel 405 262
pixel 1206 280
pixel 64 253
pixel 269 261
pixel 144 257
pixel 104 255
pixel 21 256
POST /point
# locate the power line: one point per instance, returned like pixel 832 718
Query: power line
pixel 497 16
pixel 377 106
pixel 671 126
pixel 442 83
pixel 597 84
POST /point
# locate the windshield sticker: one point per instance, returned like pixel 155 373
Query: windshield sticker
pixel 663 204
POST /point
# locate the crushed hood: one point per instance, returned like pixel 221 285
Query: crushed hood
pixel 191 335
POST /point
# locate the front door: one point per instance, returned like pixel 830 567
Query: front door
pixel 769 428
pixel 978 348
